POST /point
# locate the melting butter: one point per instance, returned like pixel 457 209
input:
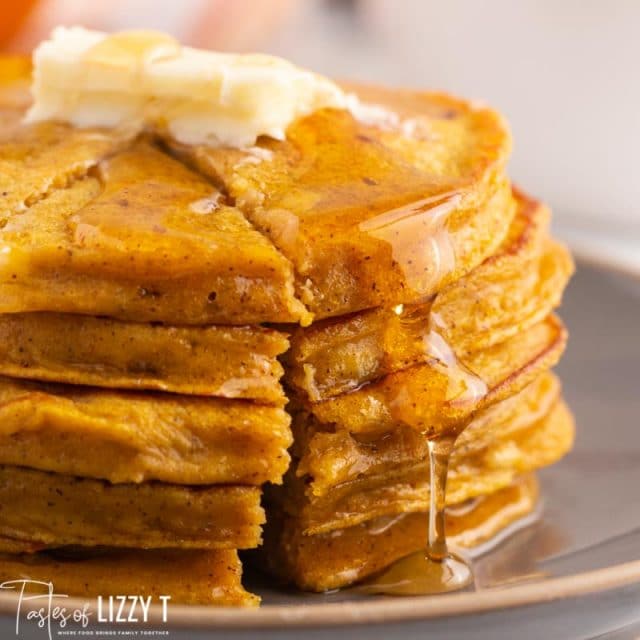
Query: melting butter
pixel 147 79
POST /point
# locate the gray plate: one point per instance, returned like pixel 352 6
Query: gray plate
pixel 574 573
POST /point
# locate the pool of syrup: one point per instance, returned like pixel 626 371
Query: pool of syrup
pixel 433 569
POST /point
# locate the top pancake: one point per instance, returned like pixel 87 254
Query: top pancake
pixel 373 215
pixel 356 215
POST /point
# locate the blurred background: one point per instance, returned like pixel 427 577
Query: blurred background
pixel 564 72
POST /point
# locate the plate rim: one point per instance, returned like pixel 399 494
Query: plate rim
pixel 602 260
pixel 393 609
pixel 406 609
pixel 380 610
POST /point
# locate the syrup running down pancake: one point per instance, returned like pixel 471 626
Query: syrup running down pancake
pixel 513 289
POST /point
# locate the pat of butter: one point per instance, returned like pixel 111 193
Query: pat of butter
pixel 147 79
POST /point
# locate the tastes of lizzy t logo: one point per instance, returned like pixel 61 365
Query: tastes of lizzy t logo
pixel 35 603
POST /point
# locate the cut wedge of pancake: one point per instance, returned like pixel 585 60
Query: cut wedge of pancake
pixel 512 290
pixel 54 510
pixel 222 361
pixel 133 437
pixel 340 558
pixel 188 577
pixel 140 238
pixel 440 397
pixel 96 223
pixel 387 489
pixel 369 215
pixel 327 458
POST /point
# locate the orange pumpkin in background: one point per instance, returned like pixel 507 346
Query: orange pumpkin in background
pixel 239 25
pixel 13 15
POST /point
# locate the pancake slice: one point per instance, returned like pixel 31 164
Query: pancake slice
pixel 370 214
pixel 403 487
pixel 440 397
pixel 222 361
pixel 512 290
pixel 54 510
pixel 140 238
pixel 141 436
pixel 343 557
pixel 188 577
pixel 328 458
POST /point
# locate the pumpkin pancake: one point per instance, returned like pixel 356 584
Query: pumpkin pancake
pixel 140 238
pixel 510 291
pixel 341 557
pixel 223 361
pixel 328 457
pixel 534 430
pixel 442 396
pixel 205 577
pixel 54 510
pixel 141 436
pixel 374 215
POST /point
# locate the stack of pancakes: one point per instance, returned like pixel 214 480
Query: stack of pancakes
pixel 148 289
pixel 432 285
pixel 139 414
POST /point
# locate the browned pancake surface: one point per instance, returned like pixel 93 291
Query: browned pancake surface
pixel 188 577
pixel 134 437
pixel 53 510
pixel 222 361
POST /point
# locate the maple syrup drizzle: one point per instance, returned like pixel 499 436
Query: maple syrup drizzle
pixel 464 387
pixel 420 224
pixel 434 569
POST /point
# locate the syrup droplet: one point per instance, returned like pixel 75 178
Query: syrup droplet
pixel 432 570
pixel 453 385
pixel 465 387
pixel 419 239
